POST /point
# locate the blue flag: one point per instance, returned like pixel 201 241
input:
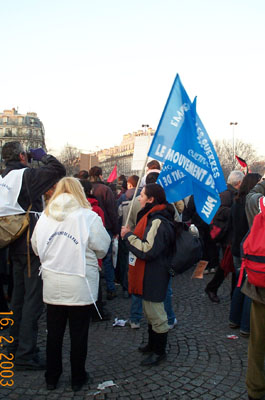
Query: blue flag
pixel 191 165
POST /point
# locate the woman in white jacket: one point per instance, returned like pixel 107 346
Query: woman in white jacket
pixel 69 238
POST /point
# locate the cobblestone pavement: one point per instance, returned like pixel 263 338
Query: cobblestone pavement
pixel 202 362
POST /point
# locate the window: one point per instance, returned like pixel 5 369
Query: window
pixel 7 132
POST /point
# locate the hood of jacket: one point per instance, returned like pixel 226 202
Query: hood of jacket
pixel 62 206
pixel 167 213
pixel 93 201
pixel 10 165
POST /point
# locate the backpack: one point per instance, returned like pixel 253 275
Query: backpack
pixel 188 250
pixel 253 250
pixel 219 226
pixel 12 227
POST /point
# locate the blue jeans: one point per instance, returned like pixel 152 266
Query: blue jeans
pixel 108 267
pixel 137 308
pixel 240 304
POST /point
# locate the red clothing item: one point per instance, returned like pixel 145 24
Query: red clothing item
pixel 95 207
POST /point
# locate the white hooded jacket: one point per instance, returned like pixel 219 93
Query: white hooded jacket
pixel 69 242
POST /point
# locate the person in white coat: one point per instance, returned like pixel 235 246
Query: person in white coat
pixel 69 238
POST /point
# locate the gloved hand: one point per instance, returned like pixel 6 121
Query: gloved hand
pixel 37 154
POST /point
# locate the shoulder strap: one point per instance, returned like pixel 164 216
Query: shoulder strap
pixel 28 228
pixel 27 187
pixel 261 205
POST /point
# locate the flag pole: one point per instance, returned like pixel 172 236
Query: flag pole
pixel 136 190
pixel 139 181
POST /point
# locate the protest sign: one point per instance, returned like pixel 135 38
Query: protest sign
pixel 141 146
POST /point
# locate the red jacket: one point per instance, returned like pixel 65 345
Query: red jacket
pixel 95 207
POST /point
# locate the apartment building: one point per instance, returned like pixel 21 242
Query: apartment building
pixel 121 155
pixel 25 128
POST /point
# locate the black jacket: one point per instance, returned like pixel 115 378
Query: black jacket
pixel 223 216
pixel 108 204
pixel 239 225
pixel 36 181
pixel 161 237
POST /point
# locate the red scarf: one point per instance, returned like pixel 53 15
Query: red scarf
pixel 136 272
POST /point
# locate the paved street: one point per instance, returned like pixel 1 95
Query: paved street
pixel 202 362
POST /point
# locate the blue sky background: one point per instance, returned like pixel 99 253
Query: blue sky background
pixel 95 70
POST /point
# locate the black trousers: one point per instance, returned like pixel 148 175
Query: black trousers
pixel 3 302
pixel 57 317
pixel 123 264
pixel 27 306
pixel 3 264
pixel 218 279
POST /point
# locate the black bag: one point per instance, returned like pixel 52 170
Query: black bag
pixel 188 251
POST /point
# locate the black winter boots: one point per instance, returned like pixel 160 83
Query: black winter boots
pixel 148 348
pixel 156 346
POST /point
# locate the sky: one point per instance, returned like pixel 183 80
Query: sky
pixel 96 70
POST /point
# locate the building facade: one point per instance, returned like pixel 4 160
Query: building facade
pixel 121 155
pixel 25 128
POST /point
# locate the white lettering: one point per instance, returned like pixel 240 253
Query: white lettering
pixel 208 206
pixel 179 115
pixel 169 155
pixel 160 150
pixel 210 181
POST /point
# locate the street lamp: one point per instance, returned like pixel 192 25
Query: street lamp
pixel 233 124
pixel 145 127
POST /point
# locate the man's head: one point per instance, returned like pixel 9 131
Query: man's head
pixel 83 174
pixel 151 177
pixel 14 151
pixel 132 181
pixel 95 174
pixel 87 186
pixel 153 164
pixel 235 178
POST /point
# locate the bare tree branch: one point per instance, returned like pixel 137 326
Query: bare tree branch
pixel 70 158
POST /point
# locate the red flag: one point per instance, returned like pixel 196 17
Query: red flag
pixel 113 175
pixel 241 162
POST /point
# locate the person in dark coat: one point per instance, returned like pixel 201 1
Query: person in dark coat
pixel 123 253
pixel 240 304
pixel 26 303
pixel 122 185
pixel 255 378
pixel 104 314
pixel 3 268
pixel 210 249
pixel 151 245
pixel 234 181
pixel 107 202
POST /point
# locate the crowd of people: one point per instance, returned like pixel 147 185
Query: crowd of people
pixel 64 259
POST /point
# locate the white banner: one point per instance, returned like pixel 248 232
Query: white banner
pixel 141 147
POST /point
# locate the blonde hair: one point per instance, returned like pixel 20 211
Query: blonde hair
pixel 73 187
